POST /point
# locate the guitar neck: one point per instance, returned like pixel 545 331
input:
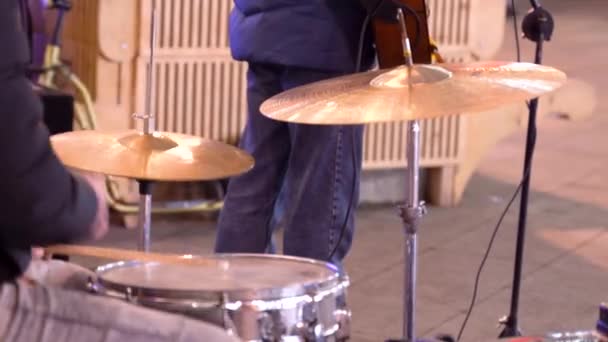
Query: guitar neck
pixel 389 46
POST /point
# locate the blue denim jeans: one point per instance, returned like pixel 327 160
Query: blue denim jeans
pixel 305 176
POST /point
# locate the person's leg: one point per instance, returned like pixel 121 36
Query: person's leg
pixel 57 308
pixel 322 183
pixel 44 314
pixel 245 221
pixel 58 273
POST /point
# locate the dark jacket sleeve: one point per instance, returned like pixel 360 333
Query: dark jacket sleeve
pixel 40 201
pixel 285 32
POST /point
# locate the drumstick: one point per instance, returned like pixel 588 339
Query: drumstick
pixel 127 255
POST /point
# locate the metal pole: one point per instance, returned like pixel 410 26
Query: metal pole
pixel 411 214
pixel 145 202
pixel 149 116
pixel 145 217
pixel 538 26
pixel 413 210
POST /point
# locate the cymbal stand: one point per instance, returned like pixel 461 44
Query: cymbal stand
pixel 538 27
pixel 145 214
pixel 413 210
pixel 149 127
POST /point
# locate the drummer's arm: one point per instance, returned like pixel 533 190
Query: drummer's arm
pixel 41 202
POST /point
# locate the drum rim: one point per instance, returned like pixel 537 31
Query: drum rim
pixel 554 336
pixel 144 293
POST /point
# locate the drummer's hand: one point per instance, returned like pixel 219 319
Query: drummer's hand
pixel 37 253
pixel 101 224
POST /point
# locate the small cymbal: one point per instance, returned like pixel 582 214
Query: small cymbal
pixel 161 156
pixel 437 90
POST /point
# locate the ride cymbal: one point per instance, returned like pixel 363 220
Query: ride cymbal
pixel 437 90
pixel 161 156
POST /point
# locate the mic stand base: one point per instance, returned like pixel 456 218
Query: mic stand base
pixel 510 329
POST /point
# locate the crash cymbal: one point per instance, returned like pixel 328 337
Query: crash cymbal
pixel 437 90
pixel 161 156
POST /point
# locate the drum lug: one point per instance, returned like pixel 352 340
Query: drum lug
pixel 92 286
pixel 310 331
pixel 270 327
pixel 129 295
pixel 343 317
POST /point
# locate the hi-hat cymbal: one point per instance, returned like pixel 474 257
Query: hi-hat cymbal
pixel 437 90
pixel 160 156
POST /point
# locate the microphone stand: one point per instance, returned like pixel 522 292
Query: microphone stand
pixel 537 26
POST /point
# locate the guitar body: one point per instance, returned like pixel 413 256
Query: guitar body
pixel 389 46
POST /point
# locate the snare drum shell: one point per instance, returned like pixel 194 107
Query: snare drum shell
pixel 575 336
pixel 266 306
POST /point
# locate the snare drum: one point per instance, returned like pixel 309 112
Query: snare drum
pixel 255 296
pixel 576 336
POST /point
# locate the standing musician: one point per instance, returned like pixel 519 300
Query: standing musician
pixel 42 203
pixel 305 175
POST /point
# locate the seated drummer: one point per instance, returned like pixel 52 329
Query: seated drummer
pixel 41 203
